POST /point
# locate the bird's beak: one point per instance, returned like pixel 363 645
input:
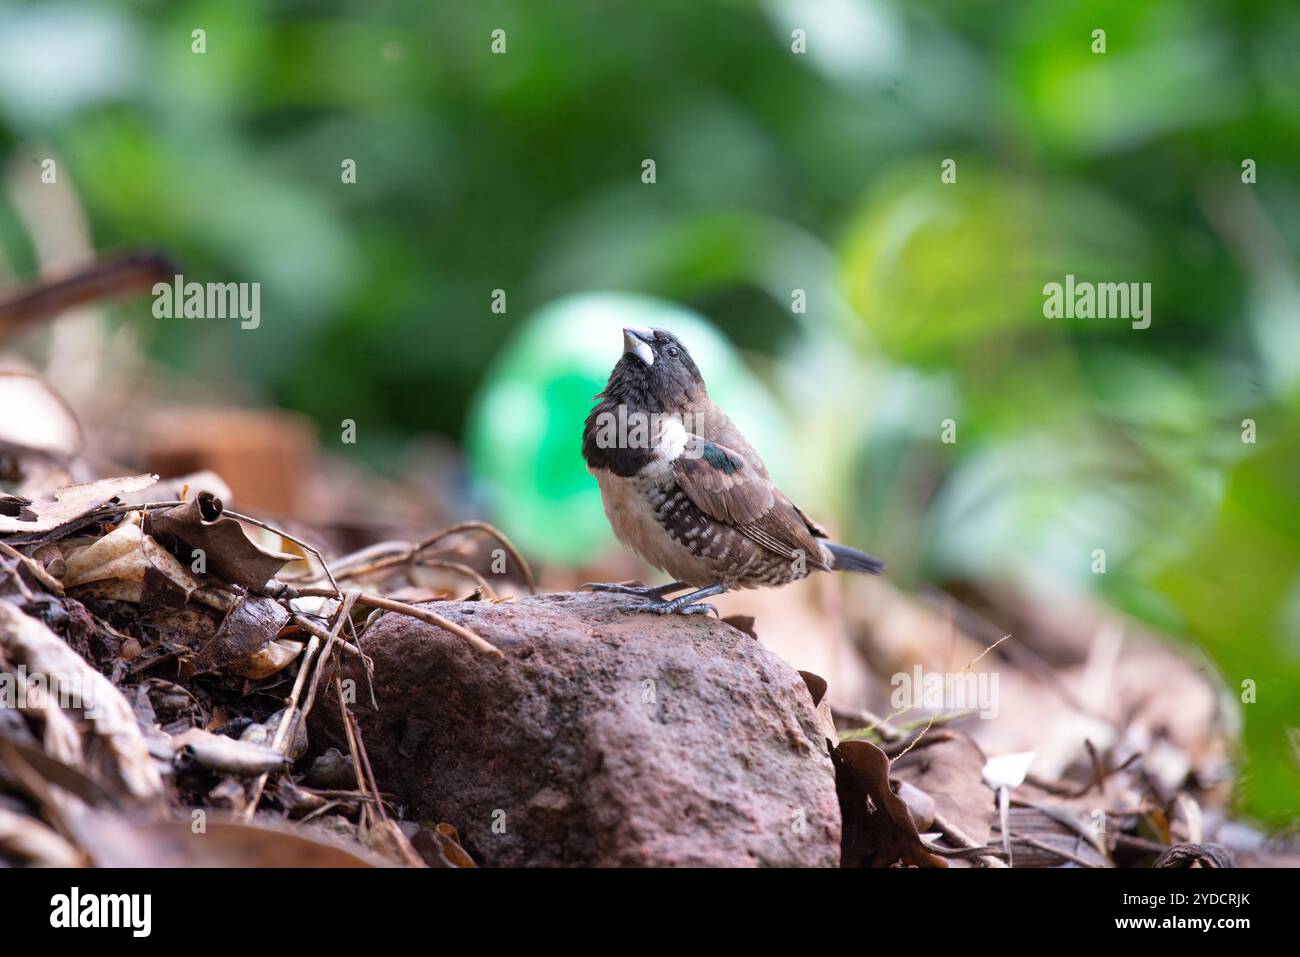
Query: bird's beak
pixel 637 341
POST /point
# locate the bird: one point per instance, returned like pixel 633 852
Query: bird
pixel 682 487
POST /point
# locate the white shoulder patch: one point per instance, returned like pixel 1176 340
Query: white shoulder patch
pixel 672 439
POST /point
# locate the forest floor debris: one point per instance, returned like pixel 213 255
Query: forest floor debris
pixel 164 660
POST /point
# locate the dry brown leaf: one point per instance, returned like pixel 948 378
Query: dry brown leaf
pixel 229 552
pixel 241 645
pixel 878 827
pixel 117 556
pixel 817 687
pixel 113 841
pixel 276 655
pixel 951 772
pixel 52 771
pixel 127 565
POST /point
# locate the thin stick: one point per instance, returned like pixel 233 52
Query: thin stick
pixel 1141 843
pixel 963 840
pixel 394 834
pixel 121 275
pixel 867 721
pixel 324 809
pixel 375 564
pixel 366 662
pixel 297 541
pixel 407 559
pixel 341 794
pixel 352 748
pixel 354 650
pixel 962 852
pixel 401 607
pixel 486 529
pixel 465 570
pixel 287 720
pixel 309 626
pixel 18 579
pixel 365 764
pixel 1059 852
pixel 925 738
pixel 345 609
pixel 392 554
pixel 260 784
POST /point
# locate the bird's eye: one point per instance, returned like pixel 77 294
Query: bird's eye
pixel 673 352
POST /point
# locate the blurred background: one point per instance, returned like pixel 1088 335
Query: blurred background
pixel 878 332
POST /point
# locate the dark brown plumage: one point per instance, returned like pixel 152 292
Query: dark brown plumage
pixel 683 488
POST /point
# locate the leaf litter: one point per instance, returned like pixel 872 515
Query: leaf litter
pixel 190 690
pixel 164 653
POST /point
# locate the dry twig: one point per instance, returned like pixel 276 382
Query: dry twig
pixel 401 607
pixel 287 729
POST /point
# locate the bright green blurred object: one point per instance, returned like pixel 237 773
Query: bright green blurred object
pixel 525 426
pixel 939 272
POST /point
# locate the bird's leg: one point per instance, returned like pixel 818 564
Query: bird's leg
pixel 641 591
pixel 683 604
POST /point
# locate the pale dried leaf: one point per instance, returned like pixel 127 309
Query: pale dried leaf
pixel 25 840
pixel 113 738
pixel 67 505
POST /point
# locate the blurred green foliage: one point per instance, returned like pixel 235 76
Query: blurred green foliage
pixel 775 171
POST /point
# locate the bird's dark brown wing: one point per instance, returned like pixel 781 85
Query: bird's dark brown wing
pixel 817 530
pixel 725 485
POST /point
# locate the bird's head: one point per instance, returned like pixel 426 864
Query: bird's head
pixel 656 370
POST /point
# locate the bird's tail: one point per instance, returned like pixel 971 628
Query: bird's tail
pixel 851 560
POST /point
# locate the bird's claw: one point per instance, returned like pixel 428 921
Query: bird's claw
pixel 668 608
pixel 700 609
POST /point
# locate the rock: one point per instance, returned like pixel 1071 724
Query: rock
pixel 603 738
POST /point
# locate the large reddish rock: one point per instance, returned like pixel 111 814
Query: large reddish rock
pixel 602 738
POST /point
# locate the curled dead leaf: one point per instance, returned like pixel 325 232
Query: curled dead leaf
pixel 243 645
pixel 878 827
pixel 228 551
pixel 128 565
pixel 440 847
pixel 817 687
